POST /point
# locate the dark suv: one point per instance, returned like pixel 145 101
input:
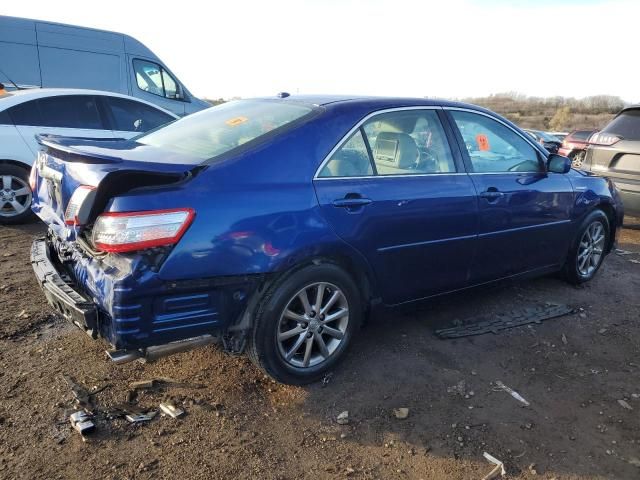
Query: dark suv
pixel 615 152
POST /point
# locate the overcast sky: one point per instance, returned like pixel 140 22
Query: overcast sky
pixel 441 48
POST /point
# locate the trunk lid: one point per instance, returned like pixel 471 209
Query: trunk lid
pixel 111 167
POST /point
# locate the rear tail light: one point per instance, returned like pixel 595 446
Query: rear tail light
pixel 130 231
pixel 605 139
pixel 72 213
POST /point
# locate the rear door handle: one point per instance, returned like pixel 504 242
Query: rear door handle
pixel 351 202
pixel 491 194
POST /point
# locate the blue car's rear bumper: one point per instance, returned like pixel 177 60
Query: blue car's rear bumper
pixel 128 304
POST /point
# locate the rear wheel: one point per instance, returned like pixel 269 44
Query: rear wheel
pixel 305 324
pixel 578 159
pixel 588 249
pixel 15 195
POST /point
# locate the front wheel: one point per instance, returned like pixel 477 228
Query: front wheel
pixel 15 195
pixel 305 324
pixel 588 249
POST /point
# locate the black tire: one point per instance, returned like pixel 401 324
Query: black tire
pixel 571 270
pixel 19 176
pixel 266 351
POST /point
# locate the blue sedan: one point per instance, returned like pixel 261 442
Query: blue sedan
pixel 274 225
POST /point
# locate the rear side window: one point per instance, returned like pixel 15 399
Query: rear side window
pixel 217 130
pixel 152 78
pixel 5 119
pixel 70 111
pixel 27 113
pixel 409 142
pixel 131 116
pixel 626 125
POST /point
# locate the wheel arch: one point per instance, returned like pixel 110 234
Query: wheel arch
pixel 17 163
pixel 609 210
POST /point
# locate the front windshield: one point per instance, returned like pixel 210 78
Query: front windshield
pixel 219 129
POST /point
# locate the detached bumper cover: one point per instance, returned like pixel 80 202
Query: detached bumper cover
pixel 60 293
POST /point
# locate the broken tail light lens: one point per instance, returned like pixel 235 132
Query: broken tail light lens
pixel 75 204
pixel 118 232
pixel 605 139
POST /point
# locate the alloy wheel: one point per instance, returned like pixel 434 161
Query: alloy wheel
pixel 313 325
pixel 591 248
pixel 15 196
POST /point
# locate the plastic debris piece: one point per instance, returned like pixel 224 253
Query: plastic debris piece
pixel 624 404
pixel 140 417
pixel 401 413
pixel 343 418
pixel 143 384
pixel 171 410
pixel 512 392
pixel 498 470
pixel 82 422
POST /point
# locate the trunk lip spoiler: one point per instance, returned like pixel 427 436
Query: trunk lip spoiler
pixel 53 142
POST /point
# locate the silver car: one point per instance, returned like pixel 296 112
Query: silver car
pixel 615 153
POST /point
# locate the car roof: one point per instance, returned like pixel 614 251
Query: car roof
pixel 16 97
pixel 373 101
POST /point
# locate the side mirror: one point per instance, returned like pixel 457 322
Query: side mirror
pixel 558 164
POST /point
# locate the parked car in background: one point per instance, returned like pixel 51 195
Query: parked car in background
pixel 34 53
pixel 548 141
pixel 559 135
pixel 614 152
pixel 574 146
pixel 56 111
pixel 274 224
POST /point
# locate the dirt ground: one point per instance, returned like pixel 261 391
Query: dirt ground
pixel 573 370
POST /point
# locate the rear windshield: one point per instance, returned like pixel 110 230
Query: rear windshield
pixel 626 125
pixel 217 130
pixel 582 134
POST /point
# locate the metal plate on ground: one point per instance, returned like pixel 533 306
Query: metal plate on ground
pixel 502 321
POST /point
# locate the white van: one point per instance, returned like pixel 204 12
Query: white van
pixel 44 54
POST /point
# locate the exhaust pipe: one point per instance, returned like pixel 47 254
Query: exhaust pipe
pixel 150 354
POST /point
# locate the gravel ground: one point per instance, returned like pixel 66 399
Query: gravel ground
pixel 573 370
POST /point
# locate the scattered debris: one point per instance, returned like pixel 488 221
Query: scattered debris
pixel 460 388
pixel 623 252
pixel 326 379
pixel 143 384
pixel 564 339
pixel 171 410
pixel 81 394
pixel 532 469
pixel 82 422
pixel 401 413
pixel 343 418
pixel 502 321
pixel 140 417
pixel 624 404
pixel 602 331
pixel 498 469
pixel 513 393
pixel 633 260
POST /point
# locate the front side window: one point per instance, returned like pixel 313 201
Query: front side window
pixel 217 130
pixel 130 116
pixel 493 147
pixel 408 142
pixel 152 78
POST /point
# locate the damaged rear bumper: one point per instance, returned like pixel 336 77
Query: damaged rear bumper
pixel 124 299
pixel 60 292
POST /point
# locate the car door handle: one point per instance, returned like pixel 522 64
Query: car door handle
pixel 491 194
pixel 351 202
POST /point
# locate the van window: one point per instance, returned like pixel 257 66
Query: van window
pixel 152 78
pixel 130 116
pixel 70 111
